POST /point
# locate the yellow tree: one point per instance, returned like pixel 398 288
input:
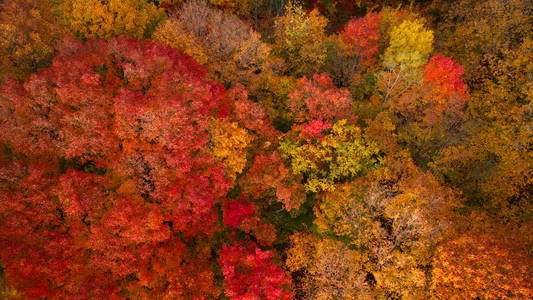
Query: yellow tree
pixel 229 143
pixel 408 49
pixel 111 18
pixel 299 38
pixel 410 45
pixel 326 154
pixel 29 33
pixel 377 233
pixel 394 227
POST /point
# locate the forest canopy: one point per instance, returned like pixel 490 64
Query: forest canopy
pixel 266 149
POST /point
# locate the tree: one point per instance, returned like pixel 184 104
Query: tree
pixel 239 214
pixel 407 46
pixel 250 273
pixel 479 265
pixel 231 50
pixel 229 145
pixel 331 270
pixel 410 45
pixel 353 51
pixel 109 181
pixel 42 230
pixel 360 38
pixel 492 164
pixel 339 12
pixel 29 33
pixel 299 39
pixel 373 236
pixel 177 271
pixel 319 98
pixel 110 18
pixel 252 116
pixel 268 177
pixel 325 154
pixel 273 96
pixel 429 113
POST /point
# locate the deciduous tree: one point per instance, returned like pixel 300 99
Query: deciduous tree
pixel 374 236
pixel 319 98
pixel 250 273
pixel 268 176
pixel 229 145
pixel 299 39
pixel 110 18
pixel 325 154
pixel 360 38
pixel 330 269
pixel 242 215
pixel 109 182
pixel 231 49
pixel 478 265
pixel 492 164
pixel 410 45
pixel 29 33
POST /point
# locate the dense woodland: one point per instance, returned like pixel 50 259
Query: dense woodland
pixel 266 149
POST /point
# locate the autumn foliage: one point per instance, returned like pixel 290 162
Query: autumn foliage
pixel 482 265
pixel 29 33
pixel 110 18
pixel 360 38
pixel 231 50
pixel 250 273
pixel 102 116
pixel 265 149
